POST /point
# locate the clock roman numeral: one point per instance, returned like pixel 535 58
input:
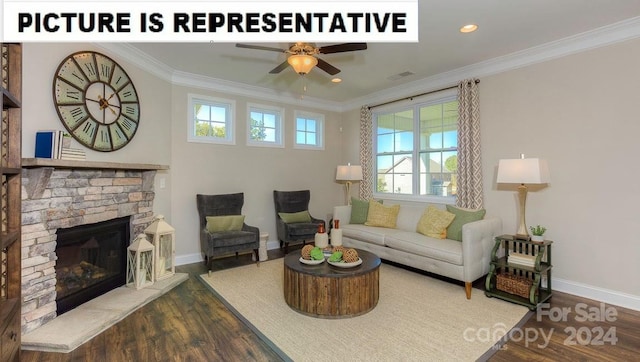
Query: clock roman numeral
pixel 105 70
pixel 77 113
pixel 90 69
pixel 118 80
pixel 73 94
pixel 127 94
pixel 78 77
pixel 88 129
pixel 129 110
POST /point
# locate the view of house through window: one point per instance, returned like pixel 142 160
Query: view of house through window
pixel 416 149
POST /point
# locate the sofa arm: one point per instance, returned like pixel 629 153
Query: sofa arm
pixel 477 243
pixel 342 213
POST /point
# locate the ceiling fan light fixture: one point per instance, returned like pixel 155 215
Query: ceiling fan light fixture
pixel 302 63
pixel 469 28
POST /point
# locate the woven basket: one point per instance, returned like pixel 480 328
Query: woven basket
pixel 514 284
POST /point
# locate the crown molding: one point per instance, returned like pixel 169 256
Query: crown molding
pixel 606 35
pixel 139 58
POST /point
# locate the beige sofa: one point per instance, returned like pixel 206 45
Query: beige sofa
pixel 465 261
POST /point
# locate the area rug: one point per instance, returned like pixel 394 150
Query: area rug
pixel 417 318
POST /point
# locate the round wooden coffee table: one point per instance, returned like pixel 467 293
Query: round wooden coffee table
pixel 327 291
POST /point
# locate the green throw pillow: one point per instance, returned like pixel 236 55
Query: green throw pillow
pixel 359 210
pixel 293 217
pixel 463 216
pixel 216 224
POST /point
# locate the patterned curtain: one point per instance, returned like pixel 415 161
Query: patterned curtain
pixel 366 158
pixel 469 165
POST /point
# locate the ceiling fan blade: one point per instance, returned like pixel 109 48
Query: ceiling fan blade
pixel 339 48
pixel 260 47
pixel 279 68
pixel 327 67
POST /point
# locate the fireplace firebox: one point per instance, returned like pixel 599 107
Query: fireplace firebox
pixel 91 261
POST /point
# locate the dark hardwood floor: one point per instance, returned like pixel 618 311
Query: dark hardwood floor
pixel 190 324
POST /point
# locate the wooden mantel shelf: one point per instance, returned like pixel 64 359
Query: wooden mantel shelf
pixel 72 164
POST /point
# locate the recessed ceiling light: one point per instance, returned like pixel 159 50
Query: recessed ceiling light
pixel 336 80
pixel 469 28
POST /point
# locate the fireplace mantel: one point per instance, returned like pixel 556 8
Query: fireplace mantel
pixel 73 164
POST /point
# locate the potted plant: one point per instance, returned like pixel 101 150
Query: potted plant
pixel 538 232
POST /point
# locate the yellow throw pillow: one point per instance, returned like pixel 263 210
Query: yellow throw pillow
pixel 383 216
pixel 217 224
pixel 434 222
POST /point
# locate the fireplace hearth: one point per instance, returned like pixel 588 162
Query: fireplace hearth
pixel 91 261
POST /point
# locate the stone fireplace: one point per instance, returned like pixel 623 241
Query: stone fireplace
pixel 62 195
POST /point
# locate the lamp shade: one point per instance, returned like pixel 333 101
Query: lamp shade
pixel 302 63
pixel 523 171
pixel 349 173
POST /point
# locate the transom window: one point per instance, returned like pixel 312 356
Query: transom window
pixel 264 125
pixel 309 130
pixel 416 149
pixel 211 120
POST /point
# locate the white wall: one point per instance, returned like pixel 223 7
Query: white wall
pixel 580 113
pixel 152 142
pixel 255 171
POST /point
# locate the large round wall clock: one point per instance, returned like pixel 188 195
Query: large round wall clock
pixel 96 101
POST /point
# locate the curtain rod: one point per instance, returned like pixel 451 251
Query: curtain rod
pixel 417 95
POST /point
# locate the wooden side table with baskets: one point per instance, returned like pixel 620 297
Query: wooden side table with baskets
pixel 517 270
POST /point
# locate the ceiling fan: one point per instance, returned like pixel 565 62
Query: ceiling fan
pixel 303 58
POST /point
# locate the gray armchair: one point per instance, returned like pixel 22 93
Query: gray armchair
pixel 222 242
pixel 292 202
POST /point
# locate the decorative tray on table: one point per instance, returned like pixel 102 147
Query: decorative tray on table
pixel 342 264
pixel 312 261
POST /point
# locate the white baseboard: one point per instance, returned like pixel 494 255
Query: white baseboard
pixel 197 257
pixel 600 294
pixel 189 259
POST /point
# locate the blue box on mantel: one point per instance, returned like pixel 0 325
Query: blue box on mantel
pixel 45 144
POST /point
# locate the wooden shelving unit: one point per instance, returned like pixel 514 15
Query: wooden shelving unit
pixel 540 254
pixel 10 189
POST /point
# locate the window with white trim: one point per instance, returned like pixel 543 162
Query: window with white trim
pixel 264 125
pixel 309 132
pixel 416 149
pixel 211 120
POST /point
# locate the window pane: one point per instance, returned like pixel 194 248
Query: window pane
pixel 433 129
pixel 300 138
pixel 404 142
pixel 385 143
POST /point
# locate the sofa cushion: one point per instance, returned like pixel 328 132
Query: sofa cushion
pixel 359 210
pixel 434 222
pixel 383 216
pixel 372 234
pixel 463 216
pixel 440 249
pixel 224 223
pixel 291 217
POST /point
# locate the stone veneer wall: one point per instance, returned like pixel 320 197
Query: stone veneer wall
pixel 63 198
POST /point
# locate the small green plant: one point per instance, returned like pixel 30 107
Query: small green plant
pixel 537 230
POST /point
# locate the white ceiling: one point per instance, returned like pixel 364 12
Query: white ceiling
pixel 505 27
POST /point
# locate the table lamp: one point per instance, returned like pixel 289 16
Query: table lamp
pixel 523 171
pixel 348 174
